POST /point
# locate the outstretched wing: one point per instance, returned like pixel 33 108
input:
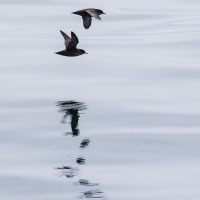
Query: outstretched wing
pixel 86 21
pixel 74 42
pixel 66 38
pixel 93 14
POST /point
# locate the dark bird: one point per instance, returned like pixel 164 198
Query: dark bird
pixel 87 15
pixel 70 46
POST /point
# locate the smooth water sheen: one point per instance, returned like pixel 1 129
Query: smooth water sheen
pixel 139 81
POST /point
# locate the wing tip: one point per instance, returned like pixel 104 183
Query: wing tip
pixel 73 34
pixel 63 33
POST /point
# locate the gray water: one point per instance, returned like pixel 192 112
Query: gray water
pixel 140 81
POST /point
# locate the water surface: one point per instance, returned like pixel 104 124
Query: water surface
pixel 140 82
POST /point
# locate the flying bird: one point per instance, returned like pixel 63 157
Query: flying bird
pixel 87 15
pixel 70 46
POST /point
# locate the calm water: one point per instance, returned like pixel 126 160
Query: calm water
pixel 139 87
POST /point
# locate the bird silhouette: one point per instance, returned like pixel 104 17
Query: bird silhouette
pixel 70 46
pixel 87 15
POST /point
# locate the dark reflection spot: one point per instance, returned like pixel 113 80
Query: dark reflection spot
pixel 68 171
pixel 86 183
pixel 71 108
pixel 92 194
pixel 84 143
pixel 65 167
pixel 80 160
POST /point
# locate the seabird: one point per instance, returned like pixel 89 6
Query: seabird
pixel 87 15
pixel 70 46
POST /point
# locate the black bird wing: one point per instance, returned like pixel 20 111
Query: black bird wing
pixel 74 41
pixel 93 13
pixel 67 39
pixel 86 21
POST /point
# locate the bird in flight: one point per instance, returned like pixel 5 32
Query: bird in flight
pixel 70 46
pixel 87 15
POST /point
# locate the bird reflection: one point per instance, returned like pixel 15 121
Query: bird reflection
pixel 71 109
pixel 80 160
pixel 68 171
pixel 86 183
pixel 84 143
pixel 92 194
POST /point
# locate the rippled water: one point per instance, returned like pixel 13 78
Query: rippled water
pixel 140 84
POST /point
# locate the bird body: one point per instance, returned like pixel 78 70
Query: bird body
pixel 70 46
pixel 78 52
pixel 87 15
